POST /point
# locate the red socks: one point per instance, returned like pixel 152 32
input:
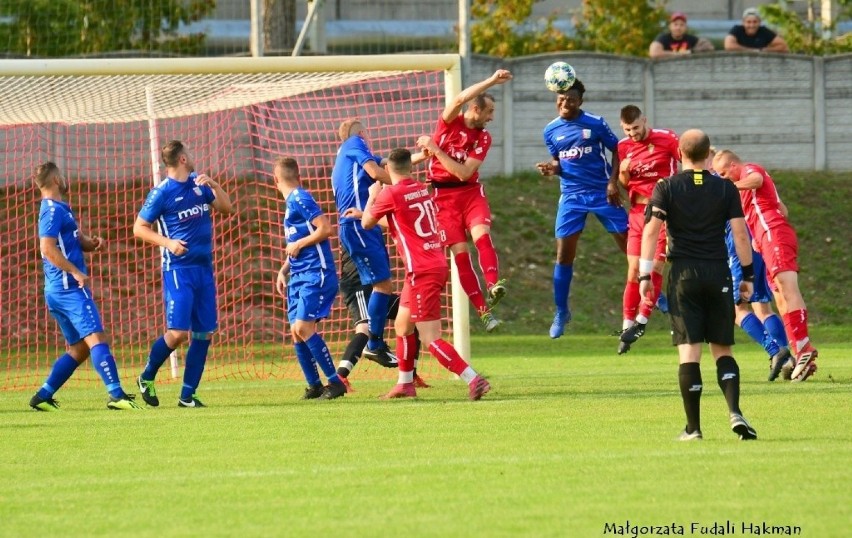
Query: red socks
pixel 488 259
pixel 447 356
pixel 469 281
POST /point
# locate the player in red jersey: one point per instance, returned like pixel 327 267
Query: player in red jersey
pixel 410 212
pixel 646 156
pixel 775 239
pixel 456 151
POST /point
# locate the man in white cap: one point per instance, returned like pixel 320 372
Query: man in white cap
pixel 753 35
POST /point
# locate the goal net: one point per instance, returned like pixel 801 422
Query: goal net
pixel 103 122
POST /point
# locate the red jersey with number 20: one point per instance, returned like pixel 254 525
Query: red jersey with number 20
pixel 410 211
pixel 761 205
pixel 651 160
pixel 459 142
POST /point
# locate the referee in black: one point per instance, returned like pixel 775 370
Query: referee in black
pixel 696 204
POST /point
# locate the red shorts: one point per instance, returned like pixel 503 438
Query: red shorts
pixel 635 225
pixel 459 210
pixel 781 252
pixel 422 292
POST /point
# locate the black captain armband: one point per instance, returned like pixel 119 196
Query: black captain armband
pixel 643 278
pixel 748 272
pixel 651 211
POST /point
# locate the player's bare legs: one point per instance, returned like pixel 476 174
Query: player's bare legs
pixel 488 263
pixel 796 324
pixel 470 284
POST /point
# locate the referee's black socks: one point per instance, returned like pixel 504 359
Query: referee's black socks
pixel 689 375
pixel 728 374
pixel 352 354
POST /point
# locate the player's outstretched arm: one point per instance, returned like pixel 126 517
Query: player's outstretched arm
pixel 453 109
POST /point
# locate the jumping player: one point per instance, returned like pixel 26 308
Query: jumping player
pixel 456 151
pixel 577 142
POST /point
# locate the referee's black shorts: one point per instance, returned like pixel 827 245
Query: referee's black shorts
pixel 357 295
pixel 701 302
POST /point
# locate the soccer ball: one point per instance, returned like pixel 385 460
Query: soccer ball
pixel 559 77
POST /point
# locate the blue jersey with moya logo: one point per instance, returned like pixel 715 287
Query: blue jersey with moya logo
pixel 182 210
pixel 56 221
pixel 580 147
pixel 301 210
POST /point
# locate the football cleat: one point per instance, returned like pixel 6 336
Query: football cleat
pixel 560 320
pixel 313 392
pixel 694 436
pixel 803 369
pixel 632 333
pixel 478 387
pixel 126 402
pixel 777 363
pixel 334 389
pixel 192 402
pixel 420 384
pixel 401 390
pixel 149 393
pixel 382 356
pixel 489 321
pixel 43 404
pixel 811 370
pixel 496 293
pixel 741 427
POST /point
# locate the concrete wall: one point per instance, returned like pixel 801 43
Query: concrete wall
pixel 785 111
pixel 448 9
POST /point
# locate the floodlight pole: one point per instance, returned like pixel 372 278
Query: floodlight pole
pixel 256 31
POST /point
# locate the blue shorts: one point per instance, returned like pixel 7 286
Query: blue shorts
pixel 189 294
pixel 367 250
pixel 310 295
pixel 75 312
pixel 573 209
pixel 762 292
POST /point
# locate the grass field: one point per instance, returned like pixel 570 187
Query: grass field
pixel 572 438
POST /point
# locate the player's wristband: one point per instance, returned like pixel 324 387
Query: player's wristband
pixel 643 278
pixel 748 272
pixel 646 266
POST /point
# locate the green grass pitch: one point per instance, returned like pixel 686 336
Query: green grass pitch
pixel 572 438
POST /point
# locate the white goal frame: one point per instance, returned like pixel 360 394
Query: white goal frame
pixel 449 63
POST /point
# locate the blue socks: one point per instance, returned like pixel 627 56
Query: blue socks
pixel 377 309
pixel 562 275
pixel 158 355
pixel 306 362
pixel 754 328
pixel 61 372
pixel 319 350
pixel 775 327
pixel 104 364
pixel 196 358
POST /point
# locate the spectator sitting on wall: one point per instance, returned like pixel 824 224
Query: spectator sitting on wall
pixel 752 35
pixel 676 41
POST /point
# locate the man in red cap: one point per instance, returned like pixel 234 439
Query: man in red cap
pixel 676 40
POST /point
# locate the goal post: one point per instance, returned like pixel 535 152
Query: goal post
pixel 103 121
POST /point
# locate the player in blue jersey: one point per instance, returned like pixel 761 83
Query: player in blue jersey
pixel 756 316
pixel 313 279
pixel 181 205
pixel 577 142
pixel 355 169
pixel 68 297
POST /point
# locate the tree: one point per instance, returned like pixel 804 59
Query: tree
pixel 501 28
pixel 807 36
pixel 619 26
pixel 51 28
pixel 279 25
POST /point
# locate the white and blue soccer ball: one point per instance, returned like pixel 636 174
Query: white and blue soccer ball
pixel 559 77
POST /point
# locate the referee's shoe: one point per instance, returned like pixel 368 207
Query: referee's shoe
pixel 741 427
